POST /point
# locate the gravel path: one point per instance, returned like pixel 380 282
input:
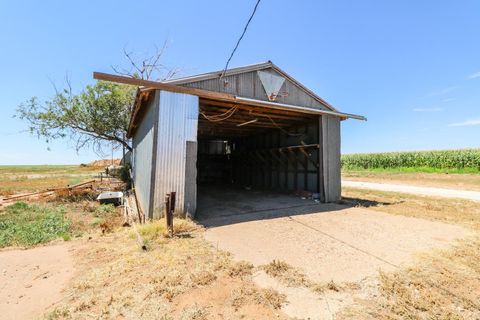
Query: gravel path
pixel 423 191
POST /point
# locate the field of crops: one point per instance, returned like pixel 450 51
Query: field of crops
pixel 464 159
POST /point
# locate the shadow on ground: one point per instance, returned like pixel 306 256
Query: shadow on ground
pixel 220 205
pixel 357 202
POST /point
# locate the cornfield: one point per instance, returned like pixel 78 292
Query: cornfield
pixel 442 159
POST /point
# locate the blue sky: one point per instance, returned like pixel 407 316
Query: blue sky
pixel 411 67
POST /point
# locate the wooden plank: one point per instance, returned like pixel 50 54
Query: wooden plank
pixel 255 106
pixel 163 86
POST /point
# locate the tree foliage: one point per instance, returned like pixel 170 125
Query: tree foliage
pixel 97 117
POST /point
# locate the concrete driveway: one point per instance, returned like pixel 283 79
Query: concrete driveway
pixel 328 241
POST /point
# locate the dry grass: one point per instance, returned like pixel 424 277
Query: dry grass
pixel 194 312
pixel 286 274
pixel 157 231
pixel 240 269
pixel 181 277
pixel 65 195
pixel 455 211
pixel 293 277
pixel 250 294
pixel 18 179
pixel 443 284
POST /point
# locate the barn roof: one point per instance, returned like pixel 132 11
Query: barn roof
pixel 200 85
pixel 248 68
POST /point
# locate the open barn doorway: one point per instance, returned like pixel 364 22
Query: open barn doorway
pixel 253 159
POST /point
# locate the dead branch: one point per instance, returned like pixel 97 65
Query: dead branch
pixel 148 68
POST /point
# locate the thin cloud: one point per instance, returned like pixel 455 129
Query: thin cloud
pixel 474 75
pixel 466 123
pixel 442 92
pixel 428 109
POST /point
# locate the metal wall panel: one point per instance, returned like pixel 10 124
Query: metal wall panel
pixel 177 124
pixel 331 158
pixel 248 85
pixel 191 179
pixel 143 142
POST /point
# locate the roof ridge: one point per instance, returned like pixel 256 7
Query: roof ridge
pixel 231 71
pixel 247 68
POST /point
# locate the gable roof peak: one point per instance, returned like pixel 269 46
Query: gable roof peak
pixel 248 68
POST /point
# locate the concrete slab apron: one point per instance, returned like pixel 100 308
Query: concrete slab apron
pixel 347 244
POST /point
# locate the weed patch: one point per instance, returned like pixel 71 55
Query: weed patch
pixel 250 294
pixel 157 230
pixel 240 269
pixel 22 224
pixel 287 274
pixel 66 195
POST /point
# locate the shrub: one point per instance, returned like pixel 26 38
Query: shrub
pixel 104 211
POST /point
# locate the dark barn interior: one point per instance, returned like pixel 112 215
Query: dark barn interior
pixel 244 148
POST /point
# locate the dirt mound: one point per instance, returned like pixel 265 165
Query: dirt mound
pixel 103 163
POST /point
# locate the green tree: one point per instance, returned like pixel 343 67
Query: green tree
pixel 96 117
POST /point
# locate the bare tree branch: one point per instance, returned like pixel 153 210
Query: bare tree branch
pixel 148 68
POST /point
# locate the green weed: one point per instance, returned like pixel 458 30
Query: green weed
pixel 22 224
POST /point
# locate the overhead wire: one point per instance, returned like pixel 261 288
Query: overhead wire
pixel 220 117
pixel 240 39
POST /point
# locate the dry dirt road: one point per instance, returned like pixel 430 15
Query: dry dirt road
pixel 32 280
pixel 422 191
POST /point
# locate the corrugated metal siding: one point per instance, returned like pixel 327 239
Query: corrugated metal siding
pixel 191 179
pixel 331 158
pixel 248 85
pixel 142 156
pixel 177 124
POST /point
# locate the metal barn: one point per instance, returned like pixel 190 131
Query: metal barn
pixel 253 128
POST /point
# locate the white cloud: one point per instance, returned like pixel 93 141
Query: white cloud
pixel 428 109
pixel 474 75
pixel 442 92
pixel 466 123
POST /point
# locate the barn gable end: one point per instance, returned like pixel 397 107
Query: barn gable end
pixel 246 82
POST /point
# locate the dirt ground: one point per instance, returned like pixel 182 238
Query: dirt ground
pixel 176 278
pixel 32 280
pixel 416 190
pixel 440 180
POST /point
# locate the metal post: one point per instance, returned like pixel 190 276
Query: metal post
pixel 169 210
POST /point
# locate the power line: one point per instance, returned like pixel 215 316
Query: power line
pixel 240 39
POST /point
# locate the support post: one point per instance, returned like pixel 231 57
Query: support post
pixel 169 210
